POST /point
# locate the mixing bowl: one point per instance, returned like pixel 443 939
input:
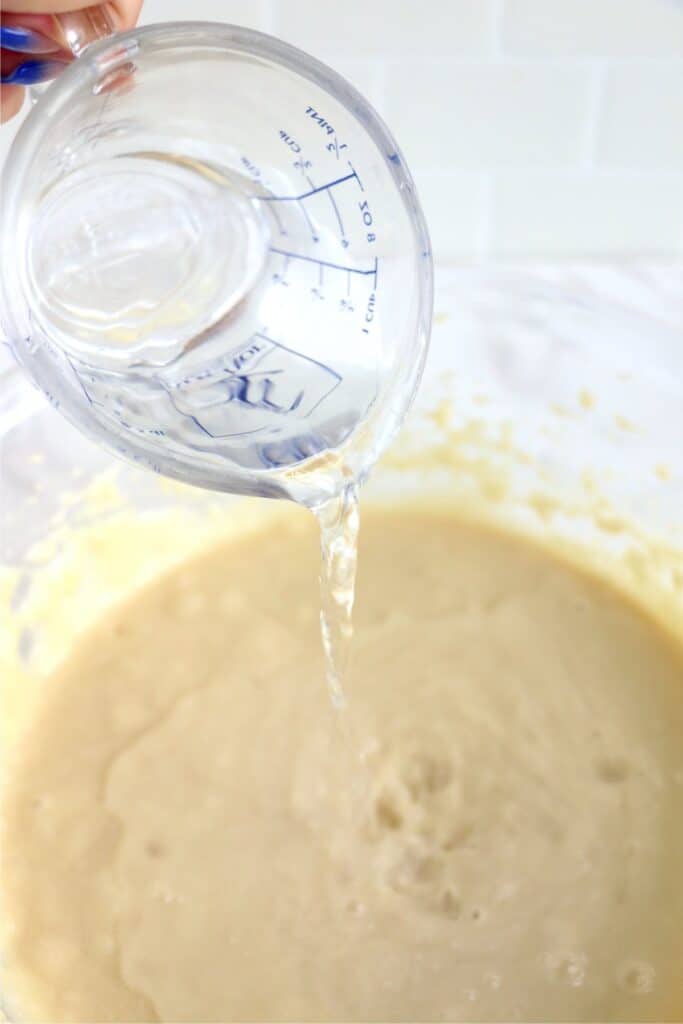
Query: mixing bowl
pixel 552 403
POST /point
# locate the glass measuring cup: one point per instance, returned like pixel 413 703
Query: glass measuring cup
pixel 216 264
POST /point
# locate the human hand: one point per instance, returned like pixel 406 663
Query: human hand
pixel 33 47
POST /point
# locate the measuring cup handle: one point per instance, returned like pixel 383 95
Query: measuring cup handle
pixel 80 29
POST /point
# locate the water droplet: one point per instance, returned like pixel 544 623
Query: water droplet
pixel 568 968
pixel 637 976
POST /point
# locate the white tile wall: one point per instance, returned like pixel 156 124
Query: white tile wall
pixel 533 127
pixel 455 205
pixel 393 28
pixel 252 13
pixel 565 214
pixel 483 115
pixel 643 115
pixel 593 28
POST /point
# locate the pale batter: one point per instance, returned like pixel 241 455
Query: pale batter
pixel 187 836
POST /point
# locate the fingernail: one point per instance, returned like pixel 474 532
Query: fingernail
pixel 80 28
pixel 30 72
pixel 25 40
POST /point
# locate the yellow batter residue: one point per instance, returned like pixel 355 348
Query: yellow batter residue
pixel 188 834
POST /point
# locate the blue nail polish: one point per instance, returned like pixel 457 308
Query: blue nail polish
pixel 25 40
pixel 30 72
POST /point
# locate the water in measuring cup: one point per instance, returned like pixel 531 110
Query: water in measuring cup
pixel 202 336
pixel 186 327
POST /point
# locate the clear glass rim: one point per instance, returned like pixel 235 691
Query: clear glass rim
pixel 108 54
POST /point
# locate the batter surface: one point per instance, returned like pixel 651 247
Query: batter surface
pixel 189 837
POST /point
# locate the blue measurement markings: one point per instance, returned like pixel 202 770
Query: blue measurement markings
pixel 310 192
pixel 255 385
pixel 371 272
pixel 269 379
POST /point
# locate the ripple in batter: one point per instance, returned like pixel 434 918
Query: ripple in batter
pixel 188 835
